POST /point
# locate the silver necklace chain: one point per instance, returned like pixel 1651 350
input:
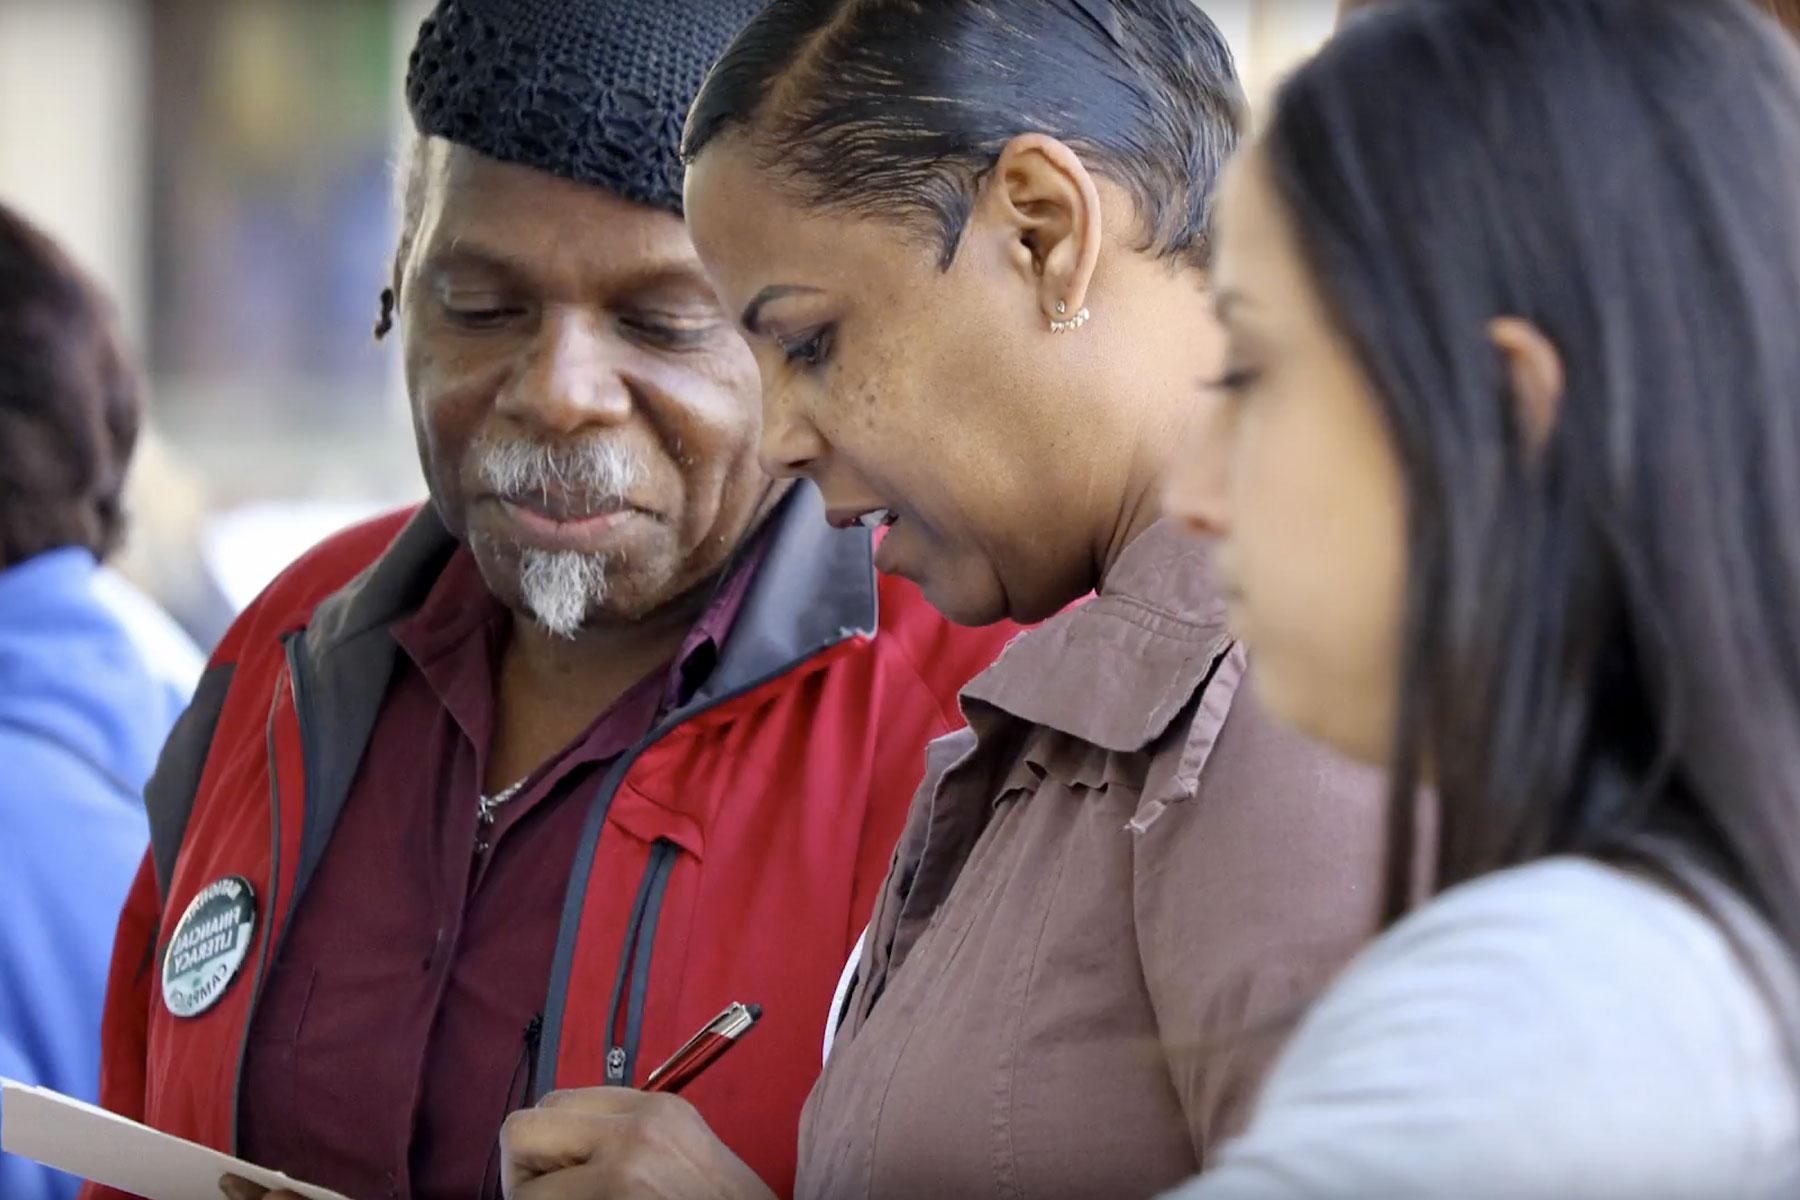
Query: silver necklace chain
pixel 487 806
pixel 485 809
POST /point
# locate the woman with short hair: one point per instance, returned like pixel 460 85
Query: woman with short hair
pixel 84 708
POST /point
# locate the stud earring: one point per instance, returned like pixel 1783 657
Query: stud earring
pixel 1073 323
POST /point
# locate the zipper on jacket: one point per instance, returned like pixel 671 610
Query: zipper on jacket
pixel 568 930
pixel 625 1028
pixel 268 917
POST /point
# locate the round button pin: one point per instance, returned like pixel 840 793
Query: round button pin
pixel 210 944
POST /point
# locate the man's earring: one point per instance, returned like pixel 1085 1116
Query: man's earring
pixel 1070 324
pixel 385 323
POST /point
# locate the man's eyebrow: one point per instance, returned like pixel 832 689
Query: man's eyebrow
pixel 464 255
pixel 752 318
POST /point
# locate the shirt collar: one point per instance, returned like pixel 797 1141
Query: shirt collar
pixel 457 634
pixel 705 642
pixel 1117 670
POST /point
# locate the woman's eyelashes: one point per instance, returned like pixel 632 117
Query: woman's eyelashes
pixel 807 351
pixel 1235 381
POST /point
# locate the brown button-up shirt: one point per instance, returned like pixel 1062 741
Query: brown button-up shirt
pixel 1116 890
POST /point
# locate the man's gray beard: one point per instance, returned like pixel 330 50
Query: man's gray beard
pixel 561 587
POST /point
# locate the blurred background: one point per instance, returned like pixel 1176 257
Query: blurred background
pixel 223 168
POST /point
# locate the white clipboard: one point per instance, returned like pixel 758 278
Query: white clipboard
pixel 91 1143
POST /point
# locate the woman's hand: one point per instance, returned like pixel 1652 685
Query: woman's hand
pixel 597 1143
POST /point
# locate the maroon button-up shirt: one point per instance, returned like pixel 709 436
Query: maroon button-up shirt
pixel 391 1038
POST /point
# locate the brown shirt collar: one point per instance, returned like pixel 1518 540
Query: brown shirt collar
pixel 1118 669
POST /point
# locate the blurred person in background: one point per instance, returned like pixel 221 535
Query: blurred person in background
pixel 92 676
pixel 1538 545
pixel 165 554
pixel 968 241
pixel 519 790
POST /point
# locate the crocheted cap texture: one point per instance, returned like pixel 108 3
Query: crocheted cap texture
pixel 592 90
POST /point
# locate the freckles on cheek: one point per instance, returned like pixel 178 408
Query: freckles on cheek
pixel 865 409
pixel 849 419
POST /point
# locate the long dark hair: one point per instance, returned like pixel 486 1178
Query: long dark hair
pixel 70 402
pixel 1787 10
pixel 899 108
pixel 1603 639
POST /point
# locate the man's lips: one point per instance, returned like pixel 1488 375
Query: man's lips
pixel 586 525
pixel 545 523
pixel 567 510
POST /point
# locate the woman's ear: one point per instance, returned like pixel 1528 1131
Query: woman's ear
pixel 1534 371
pixel 1047 204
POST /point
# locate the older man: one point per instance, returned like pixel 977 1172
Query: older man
pixel 517 791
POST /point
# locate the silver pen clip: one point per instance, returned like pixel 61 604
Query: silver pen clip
pixel 730 1023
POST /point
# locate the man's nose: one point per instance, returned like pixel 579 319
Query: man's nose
pixel 790 444
pixel 572 379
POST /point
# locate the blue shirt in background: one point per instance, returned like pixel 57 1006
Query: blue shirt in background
pixel 85 704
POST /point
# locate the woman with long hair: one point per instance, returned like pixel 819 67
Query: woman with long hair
pixel 1787 11
pixel 1511 505
pixel 967 243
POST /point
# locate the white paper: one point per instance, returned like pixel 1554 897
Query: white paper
pixel 89 1142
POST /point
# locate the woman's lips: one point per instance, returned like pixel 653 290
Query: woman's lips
pixel 867 518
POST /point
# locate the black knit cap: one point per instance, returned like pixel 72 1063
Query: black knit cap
pixel 592 90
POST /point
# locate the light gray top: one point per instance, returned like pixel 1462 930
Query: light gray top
pixel 1561 1029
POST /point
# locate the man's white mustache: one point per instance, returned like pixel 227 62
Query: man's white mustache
pixel 597 468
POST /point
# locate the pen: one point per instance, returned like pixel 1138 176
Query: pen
pixel 704 1048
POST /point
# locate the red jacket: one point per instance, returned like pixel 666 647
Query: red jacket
pixel 737 851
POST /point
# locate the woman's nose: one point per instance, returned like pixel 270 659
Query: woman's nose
pixel 1196 482
pixel 1194 501
pixel 790 445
